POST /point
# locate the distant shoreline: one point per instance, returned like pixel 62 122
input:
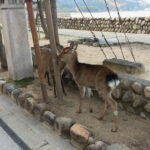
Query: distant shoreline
pixel 123 14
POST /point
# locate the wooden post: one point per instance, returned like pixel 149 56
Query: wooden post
pixel 54 15
pixel 54 49
pixel 37 49
pixel 2 52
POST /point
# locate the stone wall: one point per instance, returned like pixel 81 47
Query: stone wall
pixel 129 25
pixel 133 95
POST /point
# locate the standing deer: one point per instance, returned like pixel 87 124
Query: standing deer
pixel 97 77
pixel 47 64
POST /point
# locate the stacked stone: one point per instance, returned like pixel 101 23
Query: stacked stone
pixel 127 25
pixel 133 94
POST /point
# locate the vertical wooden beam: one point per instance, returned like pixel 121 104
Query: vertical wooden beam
pixel 2 52
pixel 54 15
pixel 37 49
pixel 54 49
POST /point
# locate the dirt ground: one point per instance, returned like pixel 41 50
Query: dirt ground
pixel 133 131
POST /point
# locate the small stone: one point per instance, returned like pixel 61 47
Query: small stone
pixel 91 140
pixel 79 136
pixel 147 92
pixel 100 145
pixel 11 88
pixel 8 88
pixel 39 110
pixel 14 95
pixel 121 106
pixel 130 110
pixel 49 117
pixel 118 147
pixel 147 107
pixel 138 101
pixel 96 44
pixel 63 125
pixel 22 98
pixel 137 87
pixel 29 104
pixel 142 115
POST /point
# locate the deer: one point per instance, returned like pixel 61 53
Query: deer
pixel 98 77
pixel 47 64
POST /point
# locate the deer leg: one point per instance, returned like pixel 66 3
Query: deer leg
pixel 82 94
pixel 47 74
pixel 62 84
pixel 113 105
pixel 89 94
pixel 55 95
pixel 105 109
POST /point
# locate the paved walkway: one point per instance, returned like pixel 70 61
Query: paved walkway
pixel 19 130
pixel 143 38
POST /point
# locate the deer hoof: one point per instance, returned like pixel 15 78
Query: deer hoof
pixel 90 110
pixel 79 111
pixel 114 130
pixel 100 118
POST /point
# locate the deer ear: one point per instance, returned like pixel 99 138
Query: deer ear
pixel 75 46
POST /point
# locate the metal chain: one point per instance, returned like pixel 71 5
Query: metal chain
pixel 100 31
pixel 107 7
pixel 126 38
pixel 93 34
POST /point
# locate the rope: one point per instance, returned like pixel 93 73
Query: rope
pixel 100 31
pixel 93 34
pixel 126 38
pixel 114 28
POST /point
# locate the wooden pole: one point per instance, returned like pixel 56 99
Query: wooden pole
pixel 54 49
pixel 54 16
pixel 37 49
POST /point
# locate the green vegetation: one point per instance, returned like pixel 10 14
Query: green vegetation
pixel 22 83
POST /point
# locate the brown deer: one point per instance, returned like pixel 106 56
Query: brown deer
pixel 47 64
pixel 97 77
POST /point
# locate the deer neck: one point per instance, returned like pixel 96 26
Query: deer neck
pixel 73 63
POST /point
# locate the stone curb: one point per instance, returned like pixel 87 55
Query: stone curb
pixel 80 136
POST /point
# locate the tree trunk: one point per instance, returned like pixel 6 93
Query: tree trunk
pixel 2 53
pixel 43 22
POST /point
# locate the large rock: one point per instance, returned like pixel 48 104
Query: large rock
pixel 39 110
pixel 147 107
pixel 147 92
pixel 138 101
pixel 79 136
pixel 128 96
pixel 118 147
pixel 49 117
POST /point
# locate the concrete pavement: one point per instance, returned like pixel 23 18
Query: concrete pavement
pixel 20 130
pixel 142 38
